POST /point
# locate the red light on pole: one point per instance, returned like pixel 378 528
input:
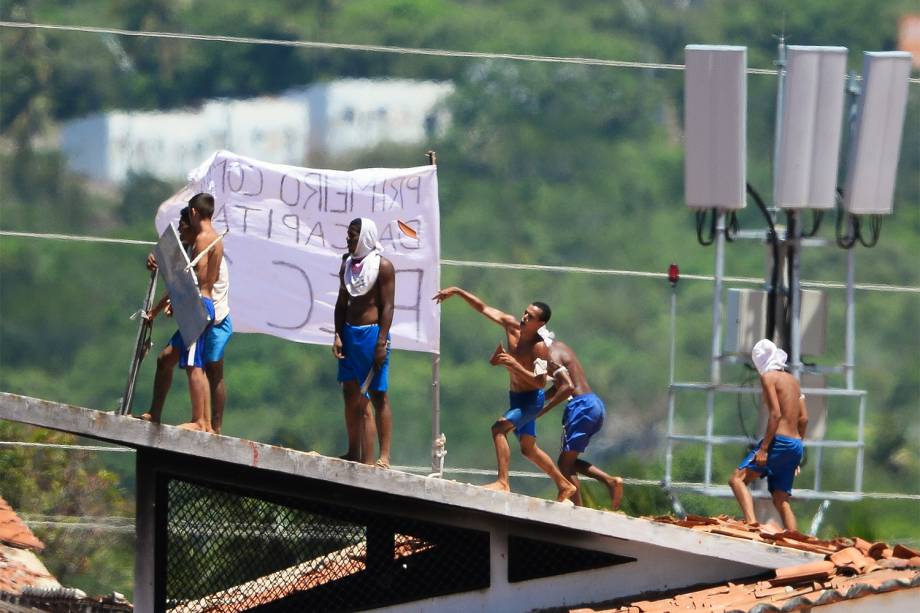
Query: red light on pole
pixel 673 274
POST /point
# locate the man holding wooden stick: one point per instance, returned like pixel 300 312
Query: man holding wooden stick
pixel 219 335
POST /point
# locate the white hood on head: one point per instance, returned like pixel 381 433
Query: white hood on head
pixel 367 240
pixel 767 356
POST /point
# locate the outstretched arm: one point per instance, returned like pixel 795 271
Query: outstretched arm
pixel 562 387
pixel 500 317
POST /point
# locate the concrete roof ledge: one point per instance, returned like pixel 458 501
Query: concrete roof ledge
pixel 135 433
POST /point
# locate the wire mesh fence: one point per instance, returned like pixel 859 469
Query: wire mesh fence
pixel 230 551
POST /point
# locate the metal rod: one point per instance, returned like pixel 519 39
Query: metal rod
pixel 780 105
pixel 819 453
pixel 669 450
pixel 438 442
pixel 722 439
pixel 673 333
pixel 716 352
pixel 861 450
pixel 850 349
pixel 740 389
pixel 795 295
pixel 437 447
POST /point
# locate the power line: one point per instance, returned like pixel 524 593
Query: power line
pixel 522 57
pixel 74 237
pixel 876 287
pixel 65 446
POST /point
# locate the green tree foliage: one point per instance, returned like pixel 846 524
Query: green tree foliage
pixel 557 164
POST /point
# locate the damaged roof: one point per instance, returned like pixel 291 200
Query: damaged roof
pixel 852 568
pixel 14 532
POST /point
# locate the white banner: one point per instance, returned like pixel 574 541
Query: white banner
pixel 287 237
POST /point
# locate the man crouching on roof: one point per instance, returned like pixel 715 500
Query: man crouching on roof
pixel 526 360
pixel 779 453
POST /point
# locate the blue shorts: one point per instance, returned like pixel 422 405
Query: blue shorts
pixel 582 419
pixel 523 410
pixel 783 457
pixel 192 356
pixel 358 345
pixel 218 336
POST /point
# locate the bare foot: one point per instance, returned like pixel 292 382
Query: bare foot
pixel 498 486
pixel 616 492
pixel 349 458
pixel 383 463
pixel 193 425
pixel 566 491
pixel 147 417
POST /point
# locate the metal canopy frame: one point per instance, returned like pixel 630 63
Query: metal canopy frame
pixel 715 386
pixel 793 241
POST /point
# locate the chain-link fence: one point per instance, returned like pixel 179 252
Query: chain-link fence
pixel 230 551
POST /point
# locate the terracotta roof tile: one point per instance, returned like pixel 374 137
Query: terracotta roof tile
pixel 20 568
pixel 900 551
pixel 852 568
pixel 14 532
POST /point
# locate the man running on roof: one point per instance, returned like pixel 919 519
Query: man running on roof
pixel 779 453
pixel 582 419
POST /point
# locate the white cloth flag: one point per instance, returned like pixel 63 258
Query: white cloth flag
pixel 287 238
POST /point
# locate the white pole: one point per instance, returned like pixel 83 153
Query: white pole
pixel 716 352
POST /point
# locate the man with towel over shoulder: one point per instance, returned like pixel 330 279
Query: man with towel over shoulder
pixel 778 455
pixel 363 314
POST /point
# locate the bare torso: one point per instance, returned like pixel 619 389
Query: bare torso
pixel 787 392
pixel 208 267
pixel 562 355
pixel 524 351
pixel 364 310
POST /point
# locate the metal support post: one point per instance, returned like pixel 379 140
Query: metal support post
pixel 716 352
pixel 861 449
pixel 795 294
pixel 850 349
pixel 438 440
pixel 668 456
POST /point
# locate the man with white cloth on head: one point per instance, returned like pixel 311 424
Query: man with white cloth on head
pixel 363 315
pixel 779 454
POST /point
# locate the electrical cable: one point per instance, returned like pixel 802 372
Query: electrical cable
pixel 875 287
pixel 732 228
pixel 701 216
pixel 770 326
pixel 369 48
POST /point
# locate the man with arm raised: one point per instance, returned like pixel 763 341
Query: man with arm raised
pixel 526 361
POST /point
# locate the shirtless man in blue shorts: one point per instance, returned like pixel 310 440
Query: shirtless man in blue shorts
pixel 779 453
pixel 526 361
pixel 207 270
pixel 582 419
pixel 363 315
pixel 218 337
